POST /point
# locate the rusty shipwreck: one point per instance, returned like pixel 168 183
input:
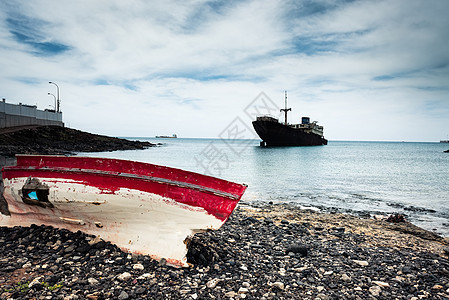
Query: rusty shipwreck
pixel 274 133
pixel 140 207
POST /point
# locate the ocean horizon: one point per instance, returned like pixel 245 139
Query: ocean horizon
pixel 363 178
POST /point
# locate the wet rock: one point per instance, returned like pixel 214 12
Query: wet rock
pixel 396 218
pixel 302 250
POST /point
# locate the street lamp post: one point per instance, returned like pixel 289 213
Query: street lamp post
pixel 57 101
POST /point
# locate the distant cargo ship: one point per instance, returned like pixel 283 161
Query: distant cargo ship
pixel 174 136
pixel 274 133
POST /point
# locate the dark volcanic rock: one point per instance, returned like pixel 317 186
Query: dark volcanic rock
pixel 396 218
pixel 61 140
pixel 300 249
pixel 246 258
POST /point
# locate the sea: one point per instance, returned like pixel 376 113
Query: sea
pixel 359 178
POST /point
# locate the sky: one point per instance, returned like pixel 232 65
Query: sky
pixel 365 70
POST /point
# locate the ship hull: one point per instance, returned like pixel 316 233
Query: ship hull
pixel 142 208
pixel 277 134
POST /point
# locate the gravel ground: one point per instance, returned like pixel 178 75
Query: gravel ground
pixel 262 252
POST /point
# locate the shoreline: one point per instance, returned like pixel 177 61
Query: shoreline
pixel 378 229
pixel 262 252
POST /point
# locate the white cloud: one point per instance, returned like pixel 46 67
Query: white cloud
pixel 368 70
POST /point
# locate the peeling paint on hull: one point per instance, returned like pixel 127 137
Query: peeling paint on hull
pixel 142 208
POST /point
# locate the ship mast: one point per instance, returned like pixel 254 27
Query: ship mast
pixel 285 110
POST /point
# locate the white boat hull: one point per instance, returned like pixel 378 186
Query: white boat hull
pixel 137 221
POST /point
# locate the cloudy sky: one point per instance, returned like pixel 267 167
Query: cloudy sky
pixel 366 70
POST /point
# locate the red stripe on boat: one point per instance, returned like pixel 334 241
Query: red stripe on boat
pixel 182 186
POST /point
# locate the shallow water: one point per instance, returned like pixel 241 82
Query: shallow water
pixel 353 177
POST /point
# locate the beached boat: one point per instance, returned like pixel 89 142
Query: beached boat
pixel 140 207
pixel 274 133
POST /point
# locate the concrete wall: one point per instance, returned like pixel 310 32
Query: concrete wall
pixel 19 115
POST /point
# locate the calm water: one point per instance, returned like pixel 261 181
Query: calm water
pixel 353 177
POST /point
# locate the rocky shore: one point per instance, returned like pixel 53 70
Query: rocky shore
pixel 59 140
pixel 262 252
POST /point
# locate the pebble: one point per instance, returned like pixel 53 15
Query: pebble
pixel 34 282
pixel 298 249
pixel 231 294
pixel 252 258
pixel 123 295
pixel 345 277
pixel 375 290
pixel 278 285
pixel 139 267
pixel 212 283
pixel 362 263
pixel 322 297
pixel 381 284
pixel 124 276
pixel 145 276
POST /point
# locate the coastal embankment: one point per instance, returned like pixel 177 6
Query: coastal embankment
pixel 59 140
pixel 262 252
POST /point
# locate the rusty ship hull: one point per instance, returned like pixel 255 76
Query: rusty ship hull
pixel 140 207
pixel 274 133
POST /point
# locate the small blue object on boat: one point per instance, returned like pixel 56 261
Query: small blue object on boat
pixel 33 195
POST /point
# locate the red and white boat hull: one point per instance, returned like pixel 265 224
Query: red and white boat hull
pixel 142 208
